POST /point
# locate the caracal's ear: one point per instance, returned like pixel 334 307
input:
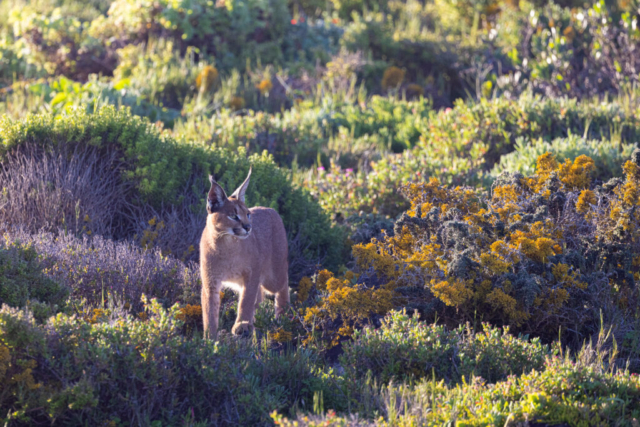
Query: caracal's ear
pixel 217 196
pixel 239 193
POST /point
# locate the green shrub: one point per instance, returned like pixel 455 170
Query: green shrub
pixel 113 371
pixel 12 64
pixel 564 392
pixel 580 52
pixel 461 145
pixel 22 279
pixel 608 155
pixel 234 32
pixel 159 73
pixel 59 43
pixel 61 94
pixel 346 8
pixel 424 55
pixel 404 348
pixel 316 130
pixel 170 172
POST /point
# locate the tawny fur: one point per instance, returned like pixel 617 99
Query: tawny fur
pixel 249 262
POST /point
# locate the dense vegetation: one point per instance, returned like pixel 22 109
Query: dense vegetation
pixel 459 181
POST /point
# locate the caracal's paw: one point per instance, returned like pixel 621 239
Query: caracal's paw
pixel 242 328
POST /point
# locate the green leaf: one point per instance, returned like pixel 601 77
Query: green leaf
pixel 59 98
pixel 122 83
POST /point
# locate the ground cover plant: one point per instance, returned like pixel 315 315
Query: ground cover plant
pixel 458 181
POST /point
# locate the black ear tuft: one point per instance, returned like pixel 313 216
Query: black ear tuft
pixel 211 179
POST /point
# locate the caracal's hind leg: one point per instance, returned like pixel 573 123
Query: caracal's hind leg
pixel 282 297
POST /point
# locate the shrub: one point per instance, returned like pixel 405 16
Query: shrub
pixel 43 32
pixel 161 75
pixel 608 155
pixel 98 270
pixel 404 348
pixel 555 394
pixel 422 54
pixel 461 145
pixel 69 187
pixel 78 370
pixel 543 253
pixel 22 278
pixel 233 33
pixel 12 64
pixel 167 172
pixel 581 52
pixel 471 138
pixel 350 133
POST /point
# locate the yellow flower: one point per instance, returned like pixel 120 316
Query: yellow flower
pixel 585 200
pixel 282 336
pixel 304 287
pixel 190 313
pixel 265 86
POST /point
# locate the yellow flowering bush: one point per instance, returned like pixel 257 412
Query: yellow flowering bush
pixel 341 305
pixel 538 253
pixel 191 315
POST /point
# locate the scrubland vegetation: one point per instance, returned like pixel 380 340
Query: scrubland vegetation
pixel 459 181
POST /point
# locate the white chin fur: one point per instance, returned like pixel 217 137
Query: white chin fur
pixel 242 237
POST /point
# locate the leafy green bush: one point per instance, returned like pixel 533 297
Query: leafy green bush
pixel 233 32
pixel 170 172
pixel 565 391
pixel 608 155
pixel 113 371
pixel 403 347
pixel 12 64
pixel 315 130
pixel 22 279
pixel 424 55
pixel 461 145
pixel 583 51
pixel 59 43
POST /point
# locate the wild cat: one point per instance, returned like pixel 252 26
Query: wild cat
pixel 245 250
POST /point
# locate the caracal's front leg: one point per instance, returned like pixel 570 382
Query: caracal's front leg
pixel 210 301
pixel 247 306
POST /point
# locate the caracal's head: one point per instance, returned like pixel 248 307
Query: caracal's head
pixel 229 215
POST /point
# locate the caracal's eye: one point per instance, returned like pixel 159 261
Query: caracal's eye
pixel 248 216
pixel 234 217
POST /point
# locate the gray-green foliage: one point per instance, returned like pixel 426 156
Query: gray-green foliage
pixel 609 155
pixel 404 347
pixel 22 279
pixel 85 370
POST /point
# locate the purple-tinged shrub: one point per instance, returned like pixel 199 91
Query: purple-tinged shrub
pixel 95 268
